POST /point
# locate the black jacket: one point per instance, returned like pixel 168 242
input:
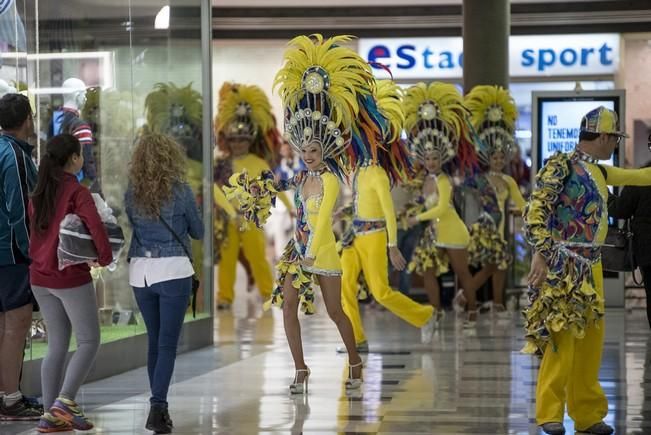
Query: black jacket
pixel 635 202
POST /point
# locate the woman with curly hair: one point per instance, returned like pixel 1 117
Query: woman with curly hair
pixel 162 210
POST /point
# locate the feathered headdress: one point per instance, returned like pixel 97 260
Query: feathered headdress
pixel 244 111
pixel 492 114
pixel 320 85
pixel 177 112
pixel 390 151
pixel 170 108
pixel 434 119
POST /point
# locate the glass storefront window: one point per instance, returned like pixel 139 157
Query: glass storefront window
pixel 109 70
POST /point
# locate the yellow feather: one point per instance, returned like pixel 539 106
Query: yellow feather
pixel 347 72
pixel 481 98
pixel 261 115
pixel 388 96
pixel 446 97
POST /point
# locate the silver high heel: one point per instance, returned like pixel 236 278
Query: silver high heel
pixel 471 319
pixel 354 383
pixel 300 387
pixel 459 301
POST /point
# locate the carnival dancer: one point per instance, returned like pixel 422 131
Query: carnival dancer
pixel 566 221
pixel 323 87
pixel 381 159
pixel 435 125
pixel 246 130
pixel 492 117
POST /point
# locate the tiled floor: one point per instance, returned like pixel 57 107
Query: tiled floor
pixel 460 384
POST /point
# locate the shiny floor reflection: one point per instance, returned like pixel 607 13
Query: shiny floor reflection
pixel 460 384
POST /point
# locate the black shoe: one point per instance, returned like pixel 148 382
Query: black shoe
pixel 33 403
pixel 600 428
pixel 20 411
pixel 156 420
pixel 167 418
pixel 553 428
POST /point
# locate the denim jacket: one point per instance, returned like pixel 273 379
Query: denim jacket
pixel 152 239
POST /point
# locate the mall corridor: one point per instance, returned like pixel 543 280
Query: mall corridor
pixel 460 384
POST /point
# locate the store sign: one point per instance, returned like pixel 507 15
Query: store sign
pixel 529 56
pixel 559 124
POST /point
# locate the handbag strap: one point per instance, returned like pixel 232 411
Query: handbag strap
pixel 193 302
pixel 176 236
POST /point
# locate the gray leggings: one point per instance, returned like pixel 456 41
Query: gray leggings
pixel 63 310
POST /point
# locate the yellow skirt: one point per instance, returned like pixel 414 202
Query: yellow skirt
pixel 327 261
pixel 451 232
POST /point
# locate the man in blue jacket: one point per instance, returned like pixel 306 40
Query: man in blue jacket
pixel 17 180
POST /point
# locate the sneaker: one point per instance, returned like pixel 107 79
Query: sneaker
pixel 222 306
pixel 68 410
pixel 553 428
pixel 50 423
pixel 600 428
pixel 34 403
pixel 361 348
pixel 22 410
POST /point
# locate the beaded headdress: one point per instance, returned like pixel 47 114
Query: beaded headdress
pixel 434 120
pixel 320 85
pixel 492 115
pixel 244 111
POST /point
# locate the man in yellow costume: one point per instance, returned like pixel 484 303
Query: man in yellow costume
pixel 247 129
pixel 566 221
pixel 382 159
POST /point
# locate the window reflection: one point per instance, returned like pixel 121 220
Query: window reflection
pixel 105 72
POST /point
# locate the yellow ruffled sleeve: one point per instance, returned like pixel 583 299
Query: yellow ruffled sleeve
pixel 627 177
pixel 444 203
pixel 262 166
pixel 221 200
pixel 383 189
pixel 514 193
pixel 324 221
pixel 550 182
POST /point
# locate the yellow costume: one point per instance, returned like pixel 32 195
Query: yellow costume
pixel 493 114
pixel 252 242
pixel 313 239
pixel 510 193
pixel 319 85
pixel 435 119
pixel 245 114
pixel 566 221
pixel 375 229
pixel 440 212
pixel 382 158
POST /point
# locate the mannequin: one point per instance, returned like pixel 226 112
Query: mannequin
pixel 6 88
pixel 67 120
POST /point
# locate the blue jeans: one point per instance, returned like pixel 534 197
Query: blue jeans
pixel 163 306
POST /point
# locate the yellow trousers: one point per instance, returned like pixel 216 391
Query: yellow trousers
pixel 252 242
pixel 369 255
pixel 569 372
